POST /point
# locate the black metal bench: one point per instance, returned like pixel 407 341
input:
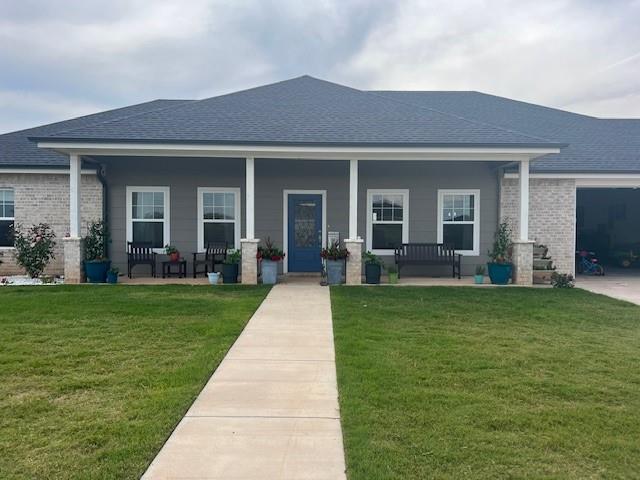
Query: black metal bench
pixel 215 253
pixel 140 254
pixel 428 254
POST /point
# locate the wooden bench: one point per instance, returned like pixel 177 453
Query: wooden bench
pixel 215 253
pixel 140 254
pixel 428 254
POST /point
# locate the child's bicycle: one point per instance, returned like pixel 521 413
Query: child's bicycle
pixel 588 263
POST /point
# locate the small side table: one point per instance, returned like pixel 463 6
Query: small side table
pixel 168 272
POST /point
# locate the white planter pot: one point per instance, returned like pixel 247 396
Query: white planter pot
pixel 214 278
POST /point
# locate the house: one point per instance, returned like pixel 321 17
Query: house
pixel 305 160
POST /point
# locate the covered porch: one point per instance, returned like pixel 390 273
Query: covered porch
pixel 317 193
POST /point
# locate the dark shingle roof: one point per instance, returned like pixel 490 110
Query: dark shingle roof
pixel 302 111
pixel 307 110
pixel 594 144
pixel 17 150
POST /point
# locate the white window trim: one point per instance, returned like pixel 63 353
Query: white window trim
pixel 13 219
pixel 475 222
pixel 237 220
pixel 405 217
pixel 167 213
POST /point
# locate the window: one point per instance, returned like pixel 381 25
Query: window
pixel 459 220
pixel 148 216
pixel 7 216
pixel 218 216
pixel 387 220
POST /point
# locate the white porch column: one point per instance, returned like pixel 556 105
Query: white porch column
pixel 523 247
pixel 249 245
pixel 524 200
pixel 251 199
pixel 353 199
pixel 73 245
pixel 74 195
pixel 354 243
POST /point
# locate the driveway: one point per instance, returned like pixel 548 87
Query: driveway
pixel 623 285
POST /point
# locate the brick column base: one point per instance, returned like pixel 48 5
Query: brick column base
pixel 523 262
pixel 354 261
pixel 73 255
pixel 249 271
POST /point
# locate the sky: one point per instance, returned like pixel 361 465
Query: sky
pixel 64 58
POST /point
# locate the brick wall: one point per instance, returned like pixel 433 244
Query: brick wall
pixel 45 198
pixel 552 216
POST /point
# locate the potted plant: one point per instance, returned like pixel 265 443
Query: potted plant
pixel 392 272
pixel 335 257
pixel 96 263
pixel 372 268
pixel 112 275
pixel 172 251
pixel 230 267
pixel 269 256
pixel 214 277
pixel 478 278
pixel 500 267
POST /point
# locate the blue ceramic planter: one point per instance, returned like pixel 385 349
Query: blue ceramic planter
pixel 499 273
pixel 96 271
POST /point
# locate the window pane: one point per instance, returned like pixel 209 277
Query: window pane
pixel 149 232
pixel 377 214
pixel 158 199
pixel 6 239
pixel 208 213
pixel 377 201
pixel 219 233
pixel 136 198
pixel 158 212
pixel 207 199
pixel 218 199
pixel 147 198
pixel 397 214
pixel 218 213
pixel 228 213
pixel 387 214
pixel 136 212
pixel 229 199
pixel 147 212
pixel 460 236
pixel 386 236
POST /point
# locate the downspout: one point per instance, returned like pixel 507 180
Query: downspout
pixel 100 169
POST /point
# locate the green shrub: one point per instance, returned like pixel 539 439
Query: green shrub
pixel 95 243
pixel 562 280
pixel 34 248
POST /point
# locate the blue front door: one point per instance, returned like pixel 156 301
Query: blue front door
pixel 305 232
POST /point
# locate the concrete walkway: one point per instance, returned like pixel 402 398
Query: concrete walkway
pixel 623 285
pixel 270 411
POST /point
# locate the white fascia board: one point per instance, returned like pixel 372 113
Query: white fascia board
pixel 44 171
pixel 590 180
pixel 300 152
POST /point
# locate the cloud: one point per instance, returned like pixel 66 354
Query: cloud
pixel 60 61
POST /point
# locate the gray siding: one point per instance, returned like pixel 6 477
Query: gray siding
pixel 183 176
pixel 423 179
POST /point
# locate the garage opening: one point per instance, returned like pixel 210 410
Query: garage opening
pixel 608 224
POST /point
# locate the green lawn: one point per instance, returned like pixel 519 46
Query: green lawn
pixel 454 383
pixel 94 378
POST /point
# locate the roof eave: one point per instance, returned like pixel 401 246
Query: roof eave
pixel 324 151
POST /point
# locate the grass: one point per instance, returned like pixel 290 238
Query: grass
pixel 94 378
pixel 464 383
